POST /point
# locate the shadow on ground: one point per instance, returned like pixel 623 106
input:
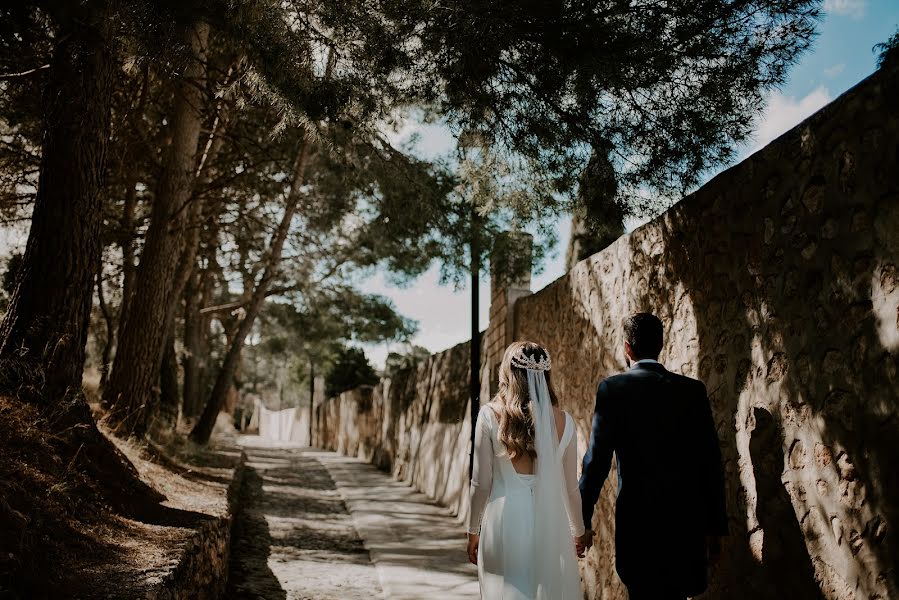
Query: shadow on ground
pixel 293 536
pixel 250 575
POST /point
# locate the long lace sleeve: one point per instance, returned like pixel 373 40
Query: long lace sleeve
pixel 482 472
pixel 569 466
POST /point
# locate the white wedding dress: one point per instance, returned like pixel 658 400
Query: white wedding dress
pixel 527 523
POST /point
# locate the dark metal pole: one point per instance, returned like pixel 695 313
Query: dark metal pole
pixel 475 382
pixel 311 398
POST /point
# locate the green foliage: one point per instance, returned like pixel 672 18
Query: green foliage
pixel 663 91
pixel 607 109
pixel 24 53
pixel 275 345
pixel 340 314
pixel 888 51
pixel 315 328
pixel 668 87
pixel 349 370
pixel 488 201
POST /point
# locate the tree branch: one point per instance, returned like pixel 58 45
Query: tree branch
pixel 8 76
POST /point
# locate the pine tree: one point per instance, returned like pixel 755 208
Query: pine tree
pixel 667 89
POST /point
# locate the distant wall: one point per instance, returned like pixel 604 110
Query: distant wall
pixel 778 282
pixel 415 425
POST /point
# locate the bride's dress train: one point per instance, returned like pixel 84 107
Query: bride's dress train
pixel 527 531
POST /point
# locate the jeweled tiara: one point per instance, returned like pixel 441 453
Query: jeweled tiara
pixel 523 361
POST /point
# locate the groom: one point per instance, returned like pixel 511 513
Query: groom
pixel 670 510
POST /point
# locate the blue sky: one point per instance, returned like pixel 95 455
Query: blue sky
pixel 840 58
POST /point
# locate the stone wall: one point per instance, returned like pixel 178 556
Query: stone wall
pixel 778 282
pixel 415 425
pixel 778 285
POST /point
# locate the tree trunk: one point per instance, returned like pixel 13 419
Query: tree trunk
pixel 196 209
pixel 231 395
pixel 203 430
pixel 126 235
pixel 311 398
pixel 474 382
pixel 44 332
pixel 133 385
pixel 168 384
pixel 43 336
pixel 198 290
pixel 106 357
pixel 194 350
pixel 187 264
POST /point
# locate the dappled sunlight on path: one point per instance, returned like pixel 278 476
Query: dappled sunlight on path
pixel 417 545
pixel 293 537
pixel 315 524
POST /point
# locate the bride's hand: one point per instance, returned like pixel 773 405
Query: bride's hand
pixel 473 548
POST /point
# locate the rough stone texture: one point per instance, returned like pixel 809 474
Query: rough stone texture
pixel 177 550
pixel 415 425
pixel 777 285
pixel 779 288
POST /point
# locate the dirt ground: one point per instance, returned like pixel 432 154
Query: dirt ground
pixel 59 541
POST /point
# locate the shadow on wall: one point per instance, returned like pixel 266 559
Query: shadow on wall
pixel 778 541
pixel 778 285
pixel 783 296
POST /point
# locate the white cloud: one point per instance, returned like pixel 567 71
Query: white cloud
pixel 854 9
pixel 835 70
pixel 428 140
pixel 784 112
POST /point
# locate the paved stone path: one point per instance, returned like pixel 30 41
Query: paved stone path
pixel 293 537
pixel 316 524
pixel 417 546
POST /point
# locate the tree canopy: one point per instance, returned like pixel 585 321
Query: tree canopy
pixel 349 370
pixel 665 89
pixel 888 51
pixel 246 162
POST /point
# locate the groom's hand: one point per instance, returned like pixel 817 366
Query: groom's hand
pixel 473 548
pixel 583 543
pixel 713 549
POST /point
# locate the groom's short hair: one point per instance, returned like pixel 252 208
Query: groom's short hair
pixel 644 332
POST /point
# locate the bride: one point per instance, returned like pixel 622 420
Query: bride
pixel 525 505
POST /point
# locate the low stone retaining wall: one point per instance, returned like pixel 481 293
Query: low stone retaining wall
pixel 201 570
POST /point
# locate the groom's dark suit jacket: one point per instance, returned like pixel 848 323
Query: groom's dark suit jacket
pixel 670 482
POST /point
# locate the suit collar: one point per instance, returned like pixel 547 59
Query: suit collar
pixel 649 366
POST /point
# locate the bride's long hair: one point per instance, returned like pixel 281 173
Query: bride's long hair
pixel 516 424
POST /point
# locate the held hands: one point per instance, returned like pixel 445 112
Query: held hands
pixel 473 548
pixel 713 550
pixel 582 543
